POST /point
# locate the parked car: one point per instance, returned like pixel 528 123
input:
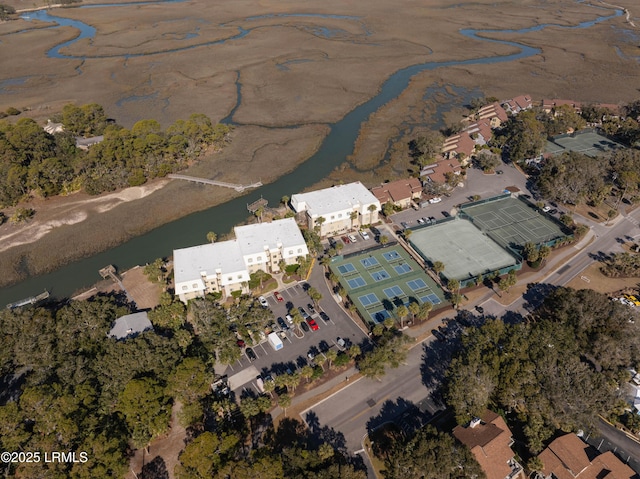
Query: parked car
pixel 341 342
pixel 404 224
pixel 432 219
pixel 365 235
pixel 283 323
pixel 499 172
pixel 420 221
pixel 240 343
pixel 250 354
pixel 546 209
pixel 480 309
pixel 311 308
pixel 553 211
pixel 263 301
pixel 278 297
pixel 304 314
pixel 435 200
pixel 312 324
pixel 289 318
pixel 352 238
pixel 345 239
pixel 324 316
pixel 305 327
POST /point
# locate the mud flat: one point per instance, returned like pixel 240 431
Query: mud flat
pixel 286 70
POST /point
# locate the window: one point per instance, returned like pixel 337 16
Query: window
pixel 184 287
pixel 299 250
pixel 230 278
pixel 239 276
pixel 194 285
pixel 339 215
pixel 250 260
pixel 259 258
pixel 290 251
pixel 333 217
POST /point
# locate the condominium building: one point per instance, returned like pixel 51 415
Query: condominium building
pixel 337 209
pixel 226 266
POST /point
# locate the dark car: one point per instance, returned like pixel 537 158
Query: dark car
pixel 325 316
pixel 305 327
pixel 250 354
pixel 283 324
pixel 313 324
pixel 480 309
pixel 553 211
pixel 311 308
pixel 499 172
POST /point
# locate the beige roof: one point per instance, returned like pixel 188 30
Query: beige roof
pixel 490 443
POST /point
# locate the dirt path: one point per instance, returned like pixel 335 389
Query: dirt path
pixel 167 448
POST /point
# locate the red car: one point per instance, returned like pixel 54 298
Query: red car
pixel 240 343
pixel 278 296
pixel 345 240
pixel 312 324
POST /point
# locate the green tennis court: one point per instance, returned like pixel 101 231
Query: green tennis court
pixel 379 280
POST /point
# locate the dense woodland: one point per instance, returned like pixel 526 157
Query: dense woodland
pixel 33 162
pixel 555 372
pixel 74 389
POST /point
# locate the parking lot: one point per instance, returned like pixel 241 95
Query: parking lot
pixel 477 183
pixel 297 345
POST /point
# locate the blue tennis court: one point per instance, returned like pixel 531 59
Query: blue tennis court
pixel 391 255
pixel 346 268
pixel 369 262
pixel 356 282
pixel 368 299
pixel 402 268
pixel 431 298
pixel 393 291
pixel 417 284
pixel 379 275
pixel 380 316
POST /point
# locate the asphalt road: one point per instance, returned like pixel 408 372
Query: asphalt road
pixel 351 410
pixel 611 439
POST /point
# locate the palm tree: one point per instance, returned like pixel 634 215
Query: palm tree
pixel 353 216
pixel 319 222
pixel 438 267
pixel 212 237
pixel 414 309
pixel 306 372
pixel 371 209
pixel 354 351
pixel 402 312
pixel 269 387
pixel 384 239
pixel 297 318
pixel 425 309
pixel 331 356
pixel 284 401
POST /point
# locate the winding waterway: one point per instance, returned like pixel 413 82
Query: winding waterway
pixel 191 230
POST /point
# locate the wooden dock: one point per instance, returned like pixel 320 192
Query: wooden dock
pixel 30 300
pixel 110 272
pixel 205 181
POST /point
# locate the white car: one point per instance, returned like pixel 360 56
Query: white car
pixel 435 200
pixel 365 235
pixel 263 301
pixel 352 238
pixel 546 209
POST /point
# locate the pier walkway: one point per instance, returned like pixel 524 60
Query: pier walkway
pixel 238 188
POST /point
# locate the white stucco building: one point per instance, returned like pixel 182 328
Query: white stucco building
pixel 342 207
pixel 226 266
